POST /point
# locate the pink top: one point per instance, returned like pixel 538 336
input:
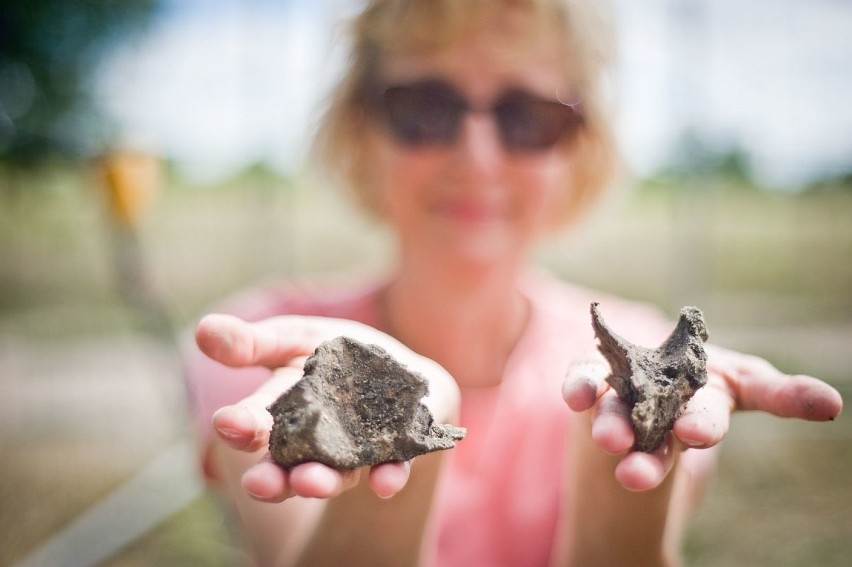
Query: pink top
pixel 498 502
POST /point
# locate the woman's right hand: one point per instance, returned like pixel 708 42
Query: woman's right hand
pixel 283 344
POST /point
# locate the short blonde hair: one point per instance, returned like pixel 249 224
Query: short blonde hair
pixel 388 27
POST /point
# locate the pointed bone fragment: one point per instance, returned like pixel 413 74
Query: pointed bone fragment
pixel 656 383
pixel 355 406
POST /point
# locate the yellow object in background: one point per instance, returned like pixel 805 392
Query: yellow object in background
pixel 133 181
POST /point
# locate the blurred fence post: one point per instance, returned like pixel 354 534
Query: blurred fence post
pixel 132 183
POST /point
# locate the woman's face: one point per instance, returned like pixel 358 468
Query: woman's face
pixel 471 201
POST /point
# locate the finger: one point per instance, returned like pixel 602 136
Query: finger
pixel 707 417
pixel 237 343
pixel 612 430
pixel 584 383
pixel 389 478
pixel 757 385
pixel 241 427
pixel 267 482
pixel 245 426
pixel 316 480
pixel 640 471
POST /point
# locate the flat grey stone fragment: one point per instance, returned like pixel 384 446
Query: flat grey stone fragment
pixel 656 383
pixel 355 406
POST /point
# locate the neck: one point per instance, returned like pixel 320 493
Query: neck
pixel 468 322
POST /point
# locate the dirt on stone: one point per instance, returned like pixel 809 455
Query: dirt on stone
pixel 355 406
pixel 656 383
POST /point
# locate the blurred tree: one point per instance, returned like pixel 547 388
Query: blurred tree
pixel 697 157
pixel 839 182
pixel 49 50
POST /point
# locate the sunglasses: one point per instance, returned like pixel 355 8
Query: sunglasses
pixel 430 113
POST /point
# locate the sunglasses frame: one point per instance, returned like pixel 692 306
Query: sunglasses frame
pixel 444 127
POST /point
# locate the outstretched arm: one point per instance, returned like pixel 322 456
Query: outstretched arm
pixel 313 511
pixel 735 382
pixel 635 502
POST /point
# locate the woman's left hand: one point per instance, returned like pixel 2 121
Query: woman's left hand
pixel 735 382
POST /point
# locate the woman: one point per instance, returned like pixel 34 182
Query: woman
pixel 472 128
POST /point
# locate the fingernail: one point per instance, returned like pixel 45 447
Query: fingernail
pixel 690 440
pixel 229 433
pixel 232 423
pixel 246 483
pixel 253 494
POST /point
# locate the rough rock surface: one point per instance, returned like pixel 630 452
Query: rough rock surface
pixel 355 406
pixel 656 383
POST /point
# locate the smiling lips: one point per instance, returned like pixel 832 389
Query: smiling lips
pixel 470 211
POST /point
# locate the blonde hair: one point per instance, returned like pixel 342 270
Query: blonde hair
pixel 388 27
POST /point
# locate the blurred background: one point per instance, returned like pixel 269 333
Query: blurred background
pixel 152 160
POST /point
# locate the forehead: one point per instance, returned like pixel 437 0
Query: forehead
pixel 486 56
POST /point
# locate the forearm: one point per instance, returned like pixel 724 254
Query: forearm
pixel 274 533
pixel 354 528
pixel 606 524
pixel 359 528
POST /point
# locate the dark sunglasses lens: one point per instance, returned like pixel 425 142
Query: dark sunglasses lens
pixel 422 114
pixel 528 123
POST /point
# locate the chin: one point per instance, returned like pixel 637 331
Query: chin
pixel 479 255
pixel 465 250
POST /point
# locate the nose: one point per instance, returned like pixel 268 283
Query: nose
pixel 479 144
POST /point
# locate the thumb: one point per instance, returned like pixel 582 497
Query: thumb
pixel 585 382
pixel 234 342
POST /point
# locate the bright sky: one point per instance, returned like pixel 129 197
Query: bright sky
pixel 219 84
